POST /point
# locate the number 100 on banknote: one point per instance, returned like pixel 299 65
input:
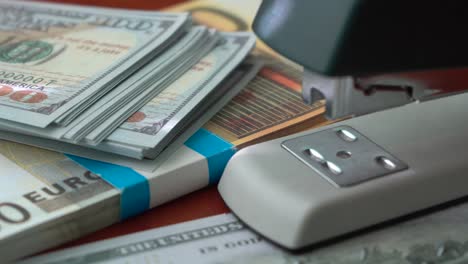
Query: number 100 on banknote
pixel 57 59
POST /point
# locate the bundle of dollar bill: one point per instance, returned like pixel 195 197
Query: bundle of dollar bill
pixel 54 198
pixel 124 82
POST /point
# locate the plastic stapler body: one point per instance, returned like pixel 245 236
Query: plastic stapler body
pixel 361 57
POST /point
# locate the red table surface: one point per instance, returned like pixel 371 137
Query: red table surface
pixel 202 203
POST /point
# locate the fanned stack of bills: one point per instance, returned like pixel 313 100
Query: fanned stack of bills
pixel 47 198
pixel 124 82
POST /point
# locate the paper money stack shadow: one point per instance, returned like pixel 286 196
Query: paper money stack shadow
pixel 122 87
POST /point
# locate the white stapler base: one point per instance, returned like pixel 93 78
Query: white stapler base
pixel 287 201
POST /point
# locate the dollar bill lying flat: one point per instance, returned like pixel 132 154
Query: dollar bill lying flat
pixel 55 60
pixel 435 238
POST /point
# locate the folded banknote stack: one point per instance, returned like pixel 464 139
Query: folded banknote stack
pixel 122 82
pixel 117 85
pixel 145 82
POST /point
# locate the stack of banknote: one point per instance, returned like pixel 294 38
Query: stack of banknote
pixel 124 82
pixel 47 197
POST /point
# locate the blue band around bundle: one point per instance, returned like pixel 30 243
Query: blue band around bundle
pixel 135 191
pixel 216 150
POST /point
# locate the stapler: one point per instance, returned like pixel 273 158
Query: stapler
pixel 397 69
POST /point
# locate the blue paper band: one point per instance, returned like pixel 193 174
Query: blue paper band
pixel 216 150
pixel 135 191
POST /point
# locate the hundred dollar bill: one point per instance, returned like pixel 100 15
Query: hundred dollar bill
pixel 167 65
pixel 226 90
pixel 183 68
pixel 47 199
pixel 193 87
pixel 55 60
pixel 155 125
pixel 153 77
pixel 436 238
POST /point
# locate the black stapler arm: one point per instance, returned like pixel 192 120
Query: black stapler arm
pixel 349 47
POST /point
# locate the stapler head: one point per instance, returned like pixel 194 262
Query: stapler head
pixel 361 56
pixel 350 97
pixel 356 53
